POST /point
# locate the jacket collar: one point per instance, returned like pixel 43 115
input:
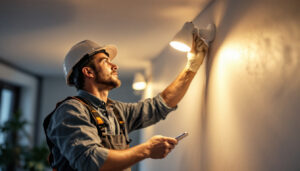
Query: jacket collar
pixel 95 101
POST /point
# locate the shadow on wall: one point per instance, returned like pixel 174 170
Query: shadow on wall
pixel 226 15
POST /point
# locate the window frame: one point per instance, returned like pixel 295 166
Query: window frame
pixel 16 91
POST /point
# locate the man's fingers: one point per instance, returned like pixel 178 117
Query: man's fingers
pixel 195 33
pixel 198 44
pixel 161 146
pixel 172 146
pixel 171 140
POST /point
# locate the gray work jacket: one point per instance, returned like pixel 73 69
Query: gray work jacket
pixel 76 138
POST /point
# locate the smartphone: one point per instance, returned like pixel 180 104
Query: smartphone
pixel 183 135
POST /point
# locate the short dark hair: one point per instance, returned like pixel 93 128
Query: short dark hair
pixel 77 78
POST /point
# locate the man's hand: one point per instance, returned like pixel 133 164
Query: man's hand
pixel 197 53
pixel 159 146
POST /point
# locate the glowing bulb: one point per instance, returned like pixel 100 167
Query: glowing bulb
pixel 183 40
pixel 180 46
pixel 139 82
pixel 139 85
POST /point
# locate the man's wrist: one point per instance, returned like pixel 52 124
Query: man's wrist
pixel 194 61
pixel 193 65
pixel 145 150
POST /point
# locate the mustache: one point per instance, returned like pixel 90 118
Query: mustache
pixel 115 72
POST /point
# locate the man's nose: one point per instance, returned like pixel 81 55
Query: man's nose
pixel 114 67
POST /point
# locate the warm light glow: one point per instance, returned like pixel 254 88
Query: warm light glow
pixel 139 85
pixel 139 82
pixel 231 52
pixel 180 46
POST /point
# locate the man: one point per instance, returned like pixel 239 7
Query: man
pixel 90 131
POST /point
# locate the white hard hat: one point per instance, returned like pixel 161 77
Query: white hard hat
pixel 79 50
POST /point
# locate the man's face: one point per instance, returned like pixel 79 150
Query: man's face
pixel 105 71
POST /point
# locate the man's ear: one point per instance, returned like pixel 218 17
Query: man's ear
pixel 88 72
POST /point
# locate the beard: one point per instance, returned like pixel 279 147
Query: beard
pixel 113 82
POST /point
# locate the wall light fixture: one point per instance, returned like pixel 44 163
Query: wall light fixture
pixel 184 38
pixel 139 82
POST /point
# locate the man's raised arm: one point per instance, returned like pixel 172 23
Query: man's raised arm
pixel 177 89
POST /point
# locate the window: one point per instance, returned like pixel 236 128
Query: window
pixel 8 104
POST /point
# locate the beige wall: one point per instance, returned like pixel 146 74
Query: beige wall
pixel 242 110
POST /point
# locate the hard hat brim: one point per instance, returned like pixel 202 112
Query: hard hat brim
pixel 110 49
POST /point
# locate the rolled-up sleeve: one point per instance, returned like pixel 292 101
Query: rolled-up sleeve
pixel 76 137
pixel 146 112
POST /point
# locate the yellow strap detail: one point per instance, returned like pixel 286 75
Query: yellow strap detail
pixel 99 120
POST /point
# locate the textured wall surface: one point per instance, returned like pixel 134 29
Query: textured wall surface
pixel 242 110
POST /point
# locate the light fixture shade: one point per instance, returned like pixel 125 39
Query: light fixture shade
pixel 139 82
pixel 184 38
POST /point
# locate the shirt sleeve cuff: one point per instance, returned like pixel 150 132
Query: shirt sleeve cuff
pixel 101 156
pixel 162 101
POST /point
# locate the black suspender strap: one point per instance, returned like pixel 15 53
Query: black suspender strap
pixel 101 125
pixel 122 125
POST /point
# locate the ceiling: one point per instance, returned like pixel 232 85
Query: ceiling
pixel 35 35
